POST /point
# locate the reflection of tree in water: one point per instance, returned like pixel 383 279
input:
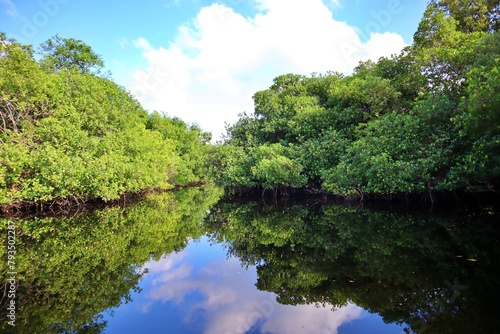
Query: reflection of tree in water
pixel 434 273
pixel 70 269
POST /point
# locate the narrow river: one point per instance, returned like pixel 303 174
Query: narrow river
pixel 189 262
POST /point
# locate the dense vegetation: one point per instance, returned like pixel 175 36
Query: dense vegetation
pixel 426 120
pixel 66 131
pixel 423 121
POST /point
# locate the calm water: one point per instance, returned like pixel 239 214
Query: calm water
pixel 191 263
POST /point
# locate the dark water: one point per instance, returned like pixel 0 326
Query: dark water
pixel 189 263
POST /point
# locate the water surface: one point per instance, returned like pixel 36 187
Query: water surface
pixel 200 290
pixel 191 263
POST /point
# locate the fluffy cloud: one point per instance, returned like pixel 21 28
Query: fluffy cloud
pixel 210 72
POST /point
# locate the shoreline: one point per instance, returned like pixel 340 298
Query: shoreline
pixel 74 204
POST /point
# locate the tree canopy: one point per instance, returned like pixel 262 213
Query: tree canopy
pixel 66 132
pixel 423 121
pixel 68 53
pixel 426 120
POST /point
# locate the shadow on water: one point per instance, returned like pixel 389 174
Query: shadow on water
pixel 434 271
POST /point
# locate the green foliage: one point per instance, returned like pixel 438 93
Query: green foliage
pixel 268 166
pixel 471 16
pixel 424 120
pixel 68 133
pixel 478 123
pixel 190 144
pixel 319 154
pixel 69 53
pixel 398 153
pixel 231 165
pixel 481 99
pixel 24 86
pixel 273 169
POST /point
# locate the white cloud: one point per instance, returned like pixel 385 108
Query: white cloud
pixel 378 45
pixel 143 44
pixel 209 73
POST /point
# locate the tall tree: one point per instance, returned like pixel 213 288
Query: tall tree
pixel 472 16
pixel 69 53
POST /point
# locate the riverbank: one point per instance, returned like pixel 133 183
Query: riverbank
pixel 74 204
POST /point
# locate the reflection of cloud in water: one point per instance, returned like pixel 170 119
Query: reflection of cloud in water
pixel 309 319
pixel 231 303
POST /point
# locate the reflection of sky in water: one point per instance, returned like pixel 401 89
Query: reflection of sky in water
pixel 200 291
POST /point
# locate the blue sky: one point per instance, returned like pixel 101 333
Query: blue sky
pixel 202 60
